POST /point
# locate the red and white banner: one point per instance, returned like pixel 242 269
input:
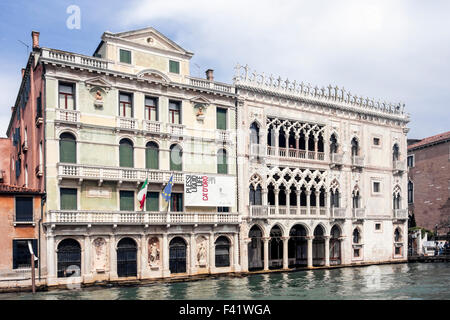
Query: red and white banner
pixel 207 190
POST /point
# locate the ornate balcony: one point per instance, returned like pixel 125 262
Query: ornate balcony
pixel 295 154
pixel 90 217
pixel 127 123
pixel 401 214
pixel 399 166
pixel 175 129
pixel 198 82
pixel 357 161
pixel 99 173
pixel 270 211
pixel 336 159
pixel 257 150
pixel 67 115
pixel 359 213
pixel 151 126
pixel 338 213
pixel 222 135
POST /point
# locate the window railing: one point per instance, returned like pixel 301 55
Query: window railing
pixel 399 165
pixel 338 212
pixel 126 123
pixel 222 135
pixel 258 211
pixel 337 158
pixel 151 126
pixel 68 115
pixel 359 213
pixel 139 217
pixel 358 161
pixel 175 129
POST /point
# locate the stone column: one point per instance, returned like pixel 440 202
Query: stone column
pixel 276 191
pixel 298 193
pixel 112 257
pixel 285 253
pixel 51 256
pixel 297 141
pixel 317 202
pixel 316 148
pixel 277 142
pixel 327 251
pixel 266 253
pixel 310 251
pixel 144 257
pixel 327 202
pixel 192 254
pixel 244 255
pixel 264 197
pixel 212 262
pixel 308 202
pixel 87 257
pixel 165 256
pixel 236 267
pixel 288 201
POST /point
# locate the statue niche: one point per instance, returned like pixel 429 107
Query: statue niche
pixel 153 253
pixel 202 254
pixel 101 255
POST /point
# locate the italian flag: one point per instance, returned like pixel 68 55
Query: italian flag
pixel 142 194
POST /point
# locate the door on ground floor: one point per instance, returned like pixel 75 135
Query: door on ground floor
pixel 177 255
pixel 69 258
pixel 318 247
pixel 126 258
pixel 297 247
pixel 275 248
pixel 335 246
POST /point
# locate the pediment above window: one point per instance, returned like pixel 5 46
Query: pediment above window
pixel 153 75
pixel 98 82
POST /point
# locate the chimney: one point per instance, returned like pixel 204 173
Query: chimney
pixel 35 37
pixel 23 72
pixel 209 74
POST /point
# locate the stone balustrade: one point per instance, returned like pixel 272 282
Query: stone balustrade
pixel 265 211
pixel 399 165
pixel 295 153
pixel 89 172
pixel 338 212
pixel 400 213
pixel 222 135
pixel 127 123
pixel 151 126
pixel 359 213
pixel 68 115
pixel 138 217
pixel 203 83
pixel 358 161
pixel 175 129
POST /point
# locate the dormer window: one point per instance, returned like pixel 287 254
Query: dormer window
pixel 125 56
pixel 174 66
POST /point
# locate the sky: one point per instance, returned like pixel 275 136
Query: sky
pixel 394 51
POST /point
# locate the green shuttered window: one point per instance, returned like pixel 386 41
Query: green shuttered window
pixel 152 201
pixel 222 166
pixel 174 66
pixel 126 153
pixel 125 56
pixel 68 198
pixel 151 156
pixel 221 118
pixel 67 148
pixel 126 200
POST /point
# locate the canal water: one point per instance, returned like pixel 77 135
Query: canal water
pixel 397 281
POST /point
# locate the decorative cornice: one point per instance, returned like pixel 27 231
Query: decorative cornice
pixel 331 96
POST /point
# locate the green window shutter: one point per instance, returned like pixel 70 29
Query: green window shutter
pixel 152 201
pixel 68 198
pixel 222 166
pixel 174 66
pixel 126 200
pixel 67 150
pixel 221 118
pixel 126 155
pixel 125 56
pixel 151 157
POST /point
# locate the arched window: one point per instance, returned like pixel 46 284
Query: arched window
pixel 333 144
pixel 69 258
pixel 334 198
pixel 67 148
pixel 355 147
pixel 397 202
pixel 395 152
pixel 126 153
pixel 176 155
pixel 356 236
pixel 356 199
pixel 151 155
pixel 222 166
pixel 254 133
pixel 276 247
pixel 410 192
pixel 397 235
pixel 126 258
pixel 255 195
pixel 222 252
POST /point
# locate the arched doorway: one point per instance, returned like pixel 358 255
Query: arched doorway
pixel 318 247
pixel 297 247
pixel 275 248
pixel 126 258
pixel 255 249
pixel 177 255
pixel 222 252
pixel 69 258
pixel 335 246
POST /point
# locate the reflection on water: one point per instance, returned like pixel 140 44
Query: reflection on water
pixel 399 281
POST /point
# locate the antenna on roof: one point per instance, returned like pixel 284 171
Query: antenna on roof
pixel 197 73
pixel 28 47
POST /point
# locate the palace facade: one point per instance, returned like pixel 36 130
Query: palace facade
pixel 319 174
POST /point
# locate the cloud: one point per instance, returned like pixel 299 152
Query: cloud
pixel 388 50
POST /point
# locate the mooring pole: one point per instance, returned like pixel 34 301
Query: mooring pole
pixel 33 284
